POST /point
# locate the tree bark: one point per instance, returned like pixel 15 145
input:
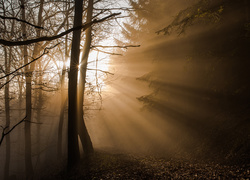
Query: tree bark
pixel 63 94
pixel 7 113
pixel 63 103
pixel 36 51
pixel 7 65
pixel 73 147
pixel 28 159
pixel 82 130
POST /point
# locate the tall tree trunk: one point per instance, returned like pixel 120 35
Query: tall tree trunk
pixel 8 57
pixel 73 147
pixel 63 103
pixel 82 130
pixel 36 51
pixel 20 112
pixel 28 159
pixel 7 113
pixel 63 94
pixel 39 107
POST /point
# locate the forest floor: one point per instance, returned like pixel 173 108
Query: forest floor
pixel 104 165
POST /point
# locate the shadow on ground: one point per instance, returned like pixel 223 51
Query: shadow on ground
pixel 103 165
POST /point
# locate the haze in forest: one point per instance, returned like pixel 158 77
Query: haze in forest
pixel 172 81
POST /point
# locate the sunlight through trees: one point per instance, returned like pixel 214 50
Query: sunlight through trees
pixel 88 86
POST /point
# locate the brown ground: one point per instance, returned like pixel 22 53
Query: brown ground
pixel 104 165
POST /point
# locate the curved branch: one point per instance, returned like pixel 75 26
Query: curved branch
pixel 7 82
pixel 6 133
pixel 14 18
pixel 50 38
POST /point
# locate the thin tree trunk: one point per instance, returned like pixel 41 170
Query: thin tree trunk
pixel 40 101
pixel 82 130
pixel 73 147
pixel 63 94
pixel 39 107
pixel 63 104
pixel 28 159
pixel 7 104
pixel 7 113
pixel 60 128
pixel 20 106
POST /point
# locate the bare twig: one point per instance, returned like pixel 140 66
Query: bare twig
pixel 14 18
pixel 7 81
pixel 97 83
pixel 45 51
pixel 125 46
pixel 110 53
pixel 120 9
pixel 9 131
pixel 106 72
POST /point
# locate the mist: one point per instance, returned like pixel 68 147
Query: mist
pixel 183 94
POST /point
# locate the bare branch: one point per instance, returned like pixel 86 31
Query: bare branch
pixel 7 82
pixel 6 133
pixel 106 72
pixel 118 8
pixel 50 38
pixel 45 51
pixel 14 18
pixel 116 54
pixel 125 47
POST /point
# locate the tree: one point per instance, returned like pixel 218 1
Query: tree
pixel 7 57
pixel 82 130
pixel 7 112
pixel 28 75
pixel 73 147
pixel 63 93
pixel 74 119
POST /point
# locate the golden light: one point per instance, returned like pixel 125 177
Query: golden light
pixel 98 64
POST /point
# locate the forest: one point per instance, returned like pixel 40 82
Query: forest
pixel 124 89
